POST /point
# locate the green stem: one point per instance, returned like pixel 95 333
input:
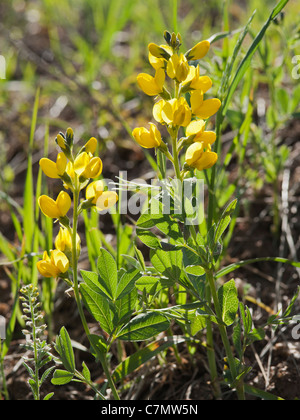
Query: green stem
pixel 224 336
pixel 101 357
pixel 174 135
pixel 211 355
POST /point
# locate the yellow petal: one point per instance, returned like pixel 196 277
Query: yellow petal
pixel 207 138
pixel 195 127
pixel 106 200
pixel 167 112
pixel 94 168
pixel 49 168
pixel 48 207
pixel 196 100
pixel 63 203
pixel 193 154
pixel 60 261
pixel 61 141
pixel 208 108
pixel 157 110
pixel 198 51
pixel 203 83
pixel 46 269
pixel 61 163
pixel 208 160
pixel 94 190
pixel 91 145
pixel 160 78
pixel 81 163
pixel 148 84
pixel 155 135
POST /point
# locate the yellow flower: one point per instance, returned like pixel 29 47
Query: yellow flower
pixel 159 62
pixel 178 68
pixel 91 145
pixel 176 112
pixel 147 138
pixel 198 51
pixel 93 168
pixel 152 86
pixel 55 209
pixel 61 141
pixel 52 169
pixel 63 242
pixel 196 82
pixel 162 51
pixel 80 164
pixel 102 199
pixel 54 265
pixel 201 108
pixel 197 129
pixel 199 158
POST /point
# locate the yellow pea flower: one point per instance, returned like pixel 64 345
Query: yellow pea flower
pixel 196 82
pixel 63 242
pixel 54 265
pixel 176 112
pixel 157 111
pixel 159 62
pixel 197 129
pixel 91 145
pixel 198 51
pixel 52 169
pixel 147 138
pixel 199 158
pixel 152 86
pixel 103 200
pixel 61 141
pixel 93 169
pixel 204 109
pixel 55 209
pixel 162 51
pixel 81 162
pixel 178 68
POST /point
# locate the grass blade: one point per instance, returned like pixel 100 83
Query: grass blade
pixel 253 48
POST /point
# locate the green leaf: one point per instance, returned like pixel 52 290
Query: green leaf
pixel 127 283
pixel 61 377
pixel 247 318
pixel 154 217
pixel 198 323
pixel 169 264
pixel 149 284
pixel 98 306
pixel 148 238
pixel 65 350
pixel 228 298
pixel 143 327
pixel 86 372
pixel 98 346
pixel 48 396
pixel 108 272
pixel 224 221
pixel 124 307
pixel 257 334
pixel 255 392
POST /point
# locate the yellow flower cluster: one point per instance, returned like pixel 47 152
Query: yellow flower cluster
pixel 75 171
pixel 187 107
